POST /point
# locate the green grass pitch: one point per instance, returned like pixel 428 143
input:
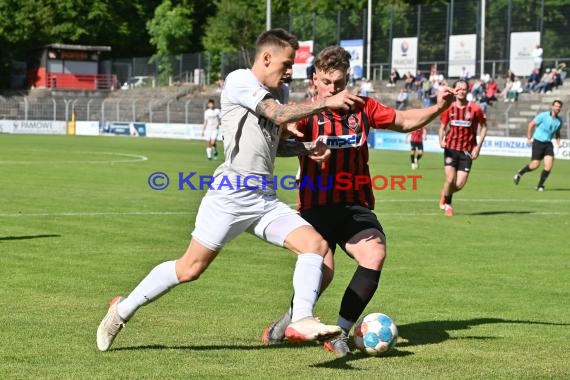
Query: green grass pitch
pixel 482 295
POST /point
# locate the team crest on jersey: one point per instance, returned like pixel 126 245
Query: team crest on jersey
pixel 467 114
pixel 352 122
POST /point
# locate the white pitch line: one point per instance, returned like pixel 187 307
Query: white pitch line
pixel 133 158
pixel 102 213
pixel 483 200
pixel 189 213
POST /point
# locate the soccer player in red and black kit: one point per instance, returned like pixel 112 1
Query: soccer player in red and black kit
pixel 339 206
pixel 417 138
pixel 459 142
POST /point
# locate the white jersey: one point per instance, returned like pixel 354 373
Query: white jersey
pixel 250 141
pixel 212 119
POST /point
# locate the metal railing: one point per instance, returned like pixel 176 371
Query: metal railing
pixel 104 110
pixel 82 81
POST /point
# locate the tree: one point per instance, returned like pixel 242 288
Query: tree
pixel 169 30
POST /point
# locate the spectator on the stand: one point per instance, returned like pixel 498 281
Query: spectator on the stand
pixel 365 87
pixel 418 80
pixel 402 100
pixel 557 78
pixel 394 77
pixel 537 57
pixel 533 81
pixel 516 89
pixel 477 89
pixel 491 90
pixel 508 84
pixel 562 70
pixel 409 81
pixel 464 74
pixel 546 82
pixel 510 76
pixel 433 76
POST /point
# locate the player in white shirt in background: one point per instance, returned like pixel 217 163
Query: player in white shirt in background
pixel 211 128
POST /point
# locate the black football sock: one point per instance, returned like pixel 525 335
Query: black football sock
pixel 448 199
pixel 526 169
pixel 419 157
pixel 412 158
pixel 359 292
pixel 543 177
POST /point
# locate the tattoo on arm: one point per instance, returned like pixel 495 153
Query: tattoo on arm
pixel 286 113
pixel 291 148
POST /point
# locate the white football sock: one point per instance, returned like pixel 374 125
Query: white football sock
pixel 159 281
pixel 306 285
pixel 209 152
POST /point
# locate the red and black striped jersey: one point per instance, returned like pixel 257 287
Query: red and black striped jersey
pixel 346 134
pixel 417 135
pixel 463 124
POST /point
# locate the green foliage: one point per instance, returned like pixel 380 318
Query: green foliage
pixel 182 26
pixel 169 29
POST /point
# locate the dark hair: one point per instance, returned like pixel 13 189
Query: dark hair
pixel 333 58
pixel 211 101
pixel 558 101
pixel 460 81
pixel 276 37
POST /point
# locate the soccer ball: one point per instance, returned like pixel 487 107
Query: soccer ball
pixel 375 334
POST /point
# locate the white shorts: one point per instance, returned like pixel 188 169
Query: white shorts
pixel 224 214
pixel 211 134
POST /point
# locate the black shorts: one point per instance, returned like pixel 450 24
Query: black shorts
pixel 417 145
pixel 460 160
pixel 541 149
pixel 338 223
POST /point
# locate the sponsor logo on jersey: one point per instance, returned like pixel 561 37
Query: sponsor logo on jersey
pixel 344 141
pixel 461 123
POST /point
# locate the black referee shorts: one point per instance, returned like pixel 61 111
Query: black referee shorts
pixel 541 149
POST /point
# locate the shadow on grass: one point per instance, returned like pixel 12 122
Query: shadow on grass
pixel 422 333
pixel 26 237
pixel 490 213
pixel 559 189
pixel 244 347
pixel 432 332
pixel 344 363
pixel 411 334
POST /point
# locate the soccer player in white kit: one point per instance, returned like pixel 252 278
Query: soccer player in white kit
pixel 252 119
pixel 211 128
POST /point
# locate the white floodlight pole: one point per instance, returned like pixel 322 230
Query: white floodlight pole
pixel 268 15
pixel 482 37
pixel 368 39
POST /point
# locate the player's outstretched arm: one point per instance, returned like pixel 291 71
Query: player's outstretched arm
pixel 286 113
pixel 409 120
pixel 292 148
pixel 316 150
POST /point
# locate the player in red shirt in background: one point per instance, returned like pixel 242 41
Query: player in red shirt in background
pixel 417 138
pixel 343 214
pixel 459 142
